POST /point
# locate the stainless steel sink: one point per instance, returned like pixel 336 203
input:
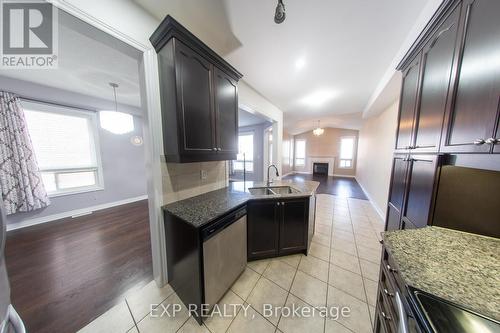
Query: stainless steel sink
pixel 272 190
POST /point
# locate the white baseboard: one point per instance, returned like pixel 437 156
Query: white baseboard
pixel 72 213
pixel 344 176
pixel 374 204
pixel 288 174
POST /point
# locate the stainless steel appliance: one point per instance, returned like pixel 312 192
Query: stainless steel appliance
pixel 10 322
pixel 224 254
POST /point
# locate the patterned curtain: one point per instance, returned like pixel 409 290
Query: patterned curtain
pixel 20 181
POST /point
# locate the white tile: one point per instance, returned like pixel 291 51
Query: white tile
pixel 266 292
pixel 315 267
pixel 319 251
pixel 309 289
pixel 358 319
pixel 259 266
pixel 323 229
pixel 345 261
pixel 345 246
pixel 347 281
pixel 300 324
pixel 250 321
pixel 117 319
pixel 280 273
pixel 219 323
pixel 332 326
pixel 245 283
pixel 369 254
pixel 321 239
pixel 369 270
pixel 140 301
pixel 159 322
pixel 292 260
pixel 371 288
pixel 192 326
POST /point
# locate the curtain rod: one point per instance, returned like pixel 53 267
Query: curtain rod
pixel 30 99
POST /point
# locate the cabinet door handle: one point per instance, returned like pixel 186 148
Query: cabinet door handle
pixel 388 293
pixel 479 142
pixel 492 141
pixel 214 149
pixel 219 149
pixel 386 317
pixel 390 269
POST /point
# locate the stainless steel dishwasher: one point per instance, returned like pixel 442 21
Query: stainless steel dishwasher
pixel 224 254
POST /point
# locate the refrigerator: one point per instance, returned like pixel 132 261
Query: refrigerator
pixel 10 322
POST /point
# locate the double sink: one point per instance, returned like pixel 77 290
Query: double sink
pixel 272 190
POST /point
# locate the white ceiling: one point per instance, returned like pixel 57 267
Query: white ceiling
pixel 249 119
pixel 343 49
pixel 88 60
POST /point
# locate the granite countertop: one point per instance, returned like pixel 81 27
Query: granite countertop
pixel 457 266
pixel 207 207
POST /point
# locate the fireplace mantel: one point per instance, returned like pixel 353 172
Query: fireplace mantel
pixel 321 159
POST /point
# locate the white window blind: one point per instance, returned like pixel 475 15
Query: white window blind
pixel 300 152
pixel 346 152
pixel 245 153
pixel 64 141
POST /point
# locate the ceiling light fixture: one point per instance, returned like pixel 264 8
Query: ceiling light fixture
pixel 319 131
pixel 318 98
pixel 279 15
pixel 114 121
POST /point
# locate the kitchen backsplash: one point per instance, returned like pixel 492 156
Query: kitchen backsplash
pixel 182 181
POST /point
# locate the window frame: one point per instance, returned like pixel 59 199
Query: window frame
pixel 252 133
pixel 353 153
pixel 92 116
pixel 295 158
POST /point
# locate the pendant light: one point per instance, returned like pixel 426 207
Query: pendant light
pixel 318 131
pixel 279 14
pixel 114 121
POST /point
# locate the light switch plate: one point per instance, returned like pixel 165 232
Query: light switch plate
pixel 203 174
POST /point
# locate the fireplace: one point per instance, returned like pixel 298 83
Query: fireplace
pixel 320 169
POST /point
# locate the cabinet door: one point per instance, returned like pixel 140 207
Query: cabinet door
pixel 393 218
pixel 226 106
pixel 421 177
pixel 194 99
pixel 436 73
pixel 477 88
pixel 398 181
pixel 407 105
pixel 293 225
pixel 496 148
pixel 262 229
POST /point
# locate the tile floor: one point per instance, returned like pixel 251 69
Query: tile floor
pixel 341 271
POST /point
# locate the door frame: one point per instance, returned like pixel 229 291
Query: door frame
pixel 150 100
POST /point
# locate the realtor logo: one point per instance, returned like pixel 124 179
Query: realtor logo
pixel 29 34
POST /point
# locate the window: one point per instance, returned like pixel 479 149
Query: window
pixel 300 152
pixel 245 153
pixel 65 145
pixel 346 152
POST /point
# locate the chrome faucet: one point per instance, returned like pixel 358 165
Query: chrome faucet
pixel 269 181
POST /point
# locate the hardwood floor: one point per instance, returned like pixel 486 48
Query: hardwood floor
pixel 64 274
pixel 344 187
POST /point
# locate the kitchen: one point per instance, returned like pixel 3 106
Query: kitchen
pixel 396 228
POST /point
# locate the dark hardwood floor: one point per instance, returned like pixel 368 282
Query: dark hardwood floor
pixel 64 274
pixel 345 187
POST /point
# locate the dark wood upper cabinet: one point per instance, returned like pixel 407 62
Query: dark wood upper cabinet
pixel 436 73
pixel 420 189
pixel 226 101
pixel 194 98
pixel 262 229
pixel 293 225
pixel 393 218
pixel 407 105
pixel 476 93
pixel 199 97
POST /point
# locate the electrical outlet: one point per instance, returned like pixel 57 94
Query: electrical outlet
pixel 203 174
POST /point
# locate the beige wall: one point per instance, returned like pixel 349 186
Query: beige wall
pixel 376 145
pixel 327 145
pixel 181 181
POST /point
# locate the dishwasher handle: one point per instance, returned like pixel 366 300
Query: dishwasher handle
pixel 222 224
pixel 403 319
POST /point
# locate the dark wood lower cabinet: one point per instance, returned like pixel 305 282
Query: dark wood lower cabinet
pixel 277 227
pixel 262 229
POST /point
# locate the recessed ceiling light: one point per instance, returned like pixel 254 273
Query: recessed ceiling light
pixel 300 63
pixel 318 98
